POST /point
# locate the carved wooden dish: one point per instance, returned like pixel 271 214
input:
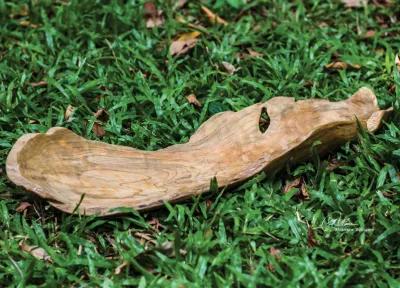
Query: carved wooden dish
pixel 61 166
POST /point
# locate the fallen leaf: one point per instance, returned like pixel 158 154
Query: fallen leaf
pixel 26 23
pixel 293 184
pixel 150 9
pixel 214 18
pixel 340 65
pixel 311 237
pixel 308 83
pixel 168 248
pixel 253 53
pixel 118 270
pixel 145 237
pixel 101 115
pixel 301 185
pixel 334 164
pixel 155 224
pixel 369 34
pixel 304 191
pixel 229 67
pixel 392 88
pixel 68 113
pixel 98 130
pixel 35 251
pixel 354 3
pixel 154 17
pixel 39 84
pixel 397 62
pixel 193 100
pixel 275 252
pixel 23 206
pixel 184 43
pixel 180 3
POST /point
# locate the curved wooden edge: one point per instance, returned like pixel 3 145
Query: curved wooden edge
pixel 14 173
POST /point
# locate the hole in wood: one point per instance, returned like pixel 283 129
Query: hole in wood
pixel 263 122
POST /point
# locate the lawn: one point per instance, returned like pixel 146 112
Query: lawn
pixel 83 56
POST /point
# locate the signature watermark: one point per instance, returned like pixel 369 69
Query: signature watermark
pixel 341 224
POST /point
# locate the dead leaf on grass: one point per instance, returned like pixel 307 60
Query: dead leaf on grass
pixel 23 206
pixel 101 115
pixel 154 17
pixel 293 184
pixel 253 53
pixel 212 17
pixel 397 62
pixel 192 99
pixel 340 65
pixel 69 112
pixel 369 34
pixel 275 252
pixel 311 237
pixel 354 3
pixel 334 164
pixel 28 24
pixel 304 191
pixel 39 84
pixel 229 67
pixel 184 43
pixel 301 185
pixel 98 130
pixel 120 267
pixel 35 251
pixel 180 3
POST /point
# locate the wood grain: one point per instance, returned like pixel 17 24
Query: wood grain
pixel 61 166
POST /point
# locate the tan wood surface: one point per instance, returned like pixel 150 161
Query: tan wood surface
pixel 60 166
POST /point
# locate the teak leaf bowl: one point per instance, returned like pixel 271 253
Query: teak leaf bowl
pixel 61 166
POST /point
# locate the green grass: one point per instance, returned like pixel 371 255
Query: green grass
pixel 99 54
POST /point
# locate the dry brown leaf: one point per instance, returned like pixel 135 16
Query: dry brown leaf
pixel 293 184
pixel 35 251
pixel 118 270
pixel 304 191
pixel 253 53
pixel 340 65
pixel 300 184
pixel 229 67
pixel 155 224
pixel 69 112
pixel 153 16
pixel 26 23
pixel 214 18
pixel 370 34
pixel 354 3
pixel 397 62
pixel 98 130
pixel 101 115
pixel 275 252
pixel 334 164
pixel 184 43
pixel 311 237
pixel 180 3
pixel 145 237
pixel 39 84
pixel 23 206
pixel 192 99
pixel 150 9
